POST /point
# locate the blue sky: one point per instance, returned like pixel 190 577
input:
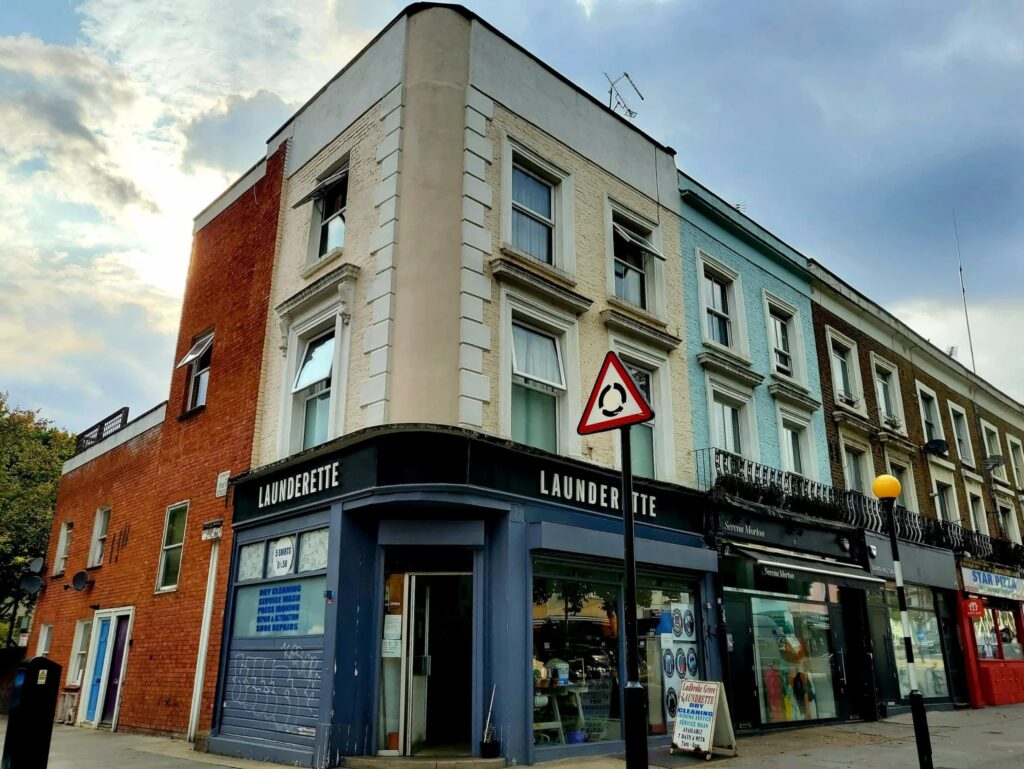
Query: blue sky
pixel 852 129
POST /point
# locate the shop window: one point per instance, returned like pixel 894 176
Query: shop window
pixel 669 630
pixel 538 380
pixel 997 632
pixel 926 640
pixel 575 661
pixel 198 360
pixel 173 543
pixel 641 436
pixel 63 547
pixel 99 536
pixel 313 550
pixel 250 561
pixel 79 650
pixel 793 660
pixel 312 389
pixel 291 607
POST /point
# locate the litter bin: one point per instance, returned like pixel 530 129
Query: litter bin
pixel 30 721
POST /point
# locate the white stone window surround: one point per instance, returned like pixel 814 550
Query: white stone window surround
pixel 1005 499
pixel 895 392
pixel 987 429
pixel 942 474
pixel 976 488
pixel 654 270
pixel 643 356
pixel 788 416
pixel 563 326
pixel 63 547
pixel 336 173
pixel 865 466
pixel 910 487
pixel 740 348
pixel 919 388
pixel 955 410
pixel 1016 460
pixel 740 398
pixel 833 336
pixel 331 311
pixel 563 240
pixel 796 338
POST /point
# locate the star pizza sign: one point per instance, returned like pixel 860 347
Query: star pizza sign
pixel 616 400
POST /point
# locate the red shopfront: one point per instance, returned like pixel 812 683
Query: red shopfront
pixel 992 626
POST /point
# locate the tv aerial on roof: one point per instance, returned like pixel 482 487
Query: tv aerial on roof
pixel 616 101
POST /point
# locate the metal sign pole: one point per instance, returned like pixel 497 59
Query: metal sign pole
pixel 635 700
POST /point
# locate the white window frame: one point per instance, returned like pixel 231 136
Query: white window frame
pixel 740 347
pixel 865 468
pixel 164 547
pixel 79 655
pixel 657 363
pixel 97 543
pixel 999 473
pixel 563 237
pixel 895 392
pixel 340 170
pixel 975 488
pixel 1017 467
pixel 788 418
pixel 741 398
pixel 833 336
pixel 946 476
pixel 45 640
pixel 564 328
pixel 654 272
pixel 954 410
pixel 193 358
pixel 1006 500
pixel 909 488
pixel 923 388
pixel 313 323
pixel 103 670
pixel 798 363
pixel 60 557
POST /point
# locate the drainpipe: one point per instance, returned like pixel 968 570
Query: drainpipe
pixel 212 532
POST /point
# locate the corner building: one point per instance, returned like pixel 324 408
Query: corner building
pixel 135 582
pixel 464 236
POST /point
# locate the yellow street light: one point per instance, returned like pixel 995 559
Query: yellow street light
pixel 886 487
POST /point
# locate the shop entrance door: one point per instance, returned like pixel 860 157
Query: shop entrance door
pixel 742 675
pixel 849 675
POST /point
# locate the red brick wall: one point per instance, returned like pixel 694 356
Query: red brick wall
pixel 908 375
pixel 227 290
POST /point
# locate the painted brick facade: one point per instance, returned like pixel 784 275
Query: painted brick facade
pixel 177 460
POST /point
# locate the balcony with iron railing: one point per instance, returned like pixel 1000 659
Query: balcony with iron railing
pixel 754 482
pixel 102 429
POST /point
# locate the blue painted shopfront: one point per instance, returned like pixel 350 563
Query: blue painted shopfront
pixel 328 646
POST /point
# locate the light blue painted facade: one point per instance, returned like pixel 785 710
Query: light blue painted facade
pixel 764 264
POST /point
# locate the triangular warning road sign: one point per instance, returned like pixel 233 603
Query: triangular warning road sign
pixel 615 401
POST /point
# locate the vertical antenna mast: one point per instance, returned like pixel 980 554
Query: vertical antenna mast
pixel 963 293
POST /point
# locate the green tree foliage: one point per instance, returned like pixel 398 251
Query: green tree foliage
pixel 32 451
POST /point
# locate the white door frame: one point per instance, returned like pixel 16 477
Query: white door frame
pixel 90 666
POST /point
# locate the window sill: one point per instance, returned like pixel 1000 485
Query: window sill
pixel 860 412
pixel 186 415
pixel 789 391
pixel 968 472
pixel 539 279
pixel 729 352
pixel 635 326
pixel 329 258
pixel 941 462
pixel 639 313
pixel 713 359
pixel 165 590
pixel 550 271
pixel 94 567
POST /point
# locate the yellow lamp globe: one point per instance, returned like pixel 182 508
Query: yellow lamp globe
pixel 886 487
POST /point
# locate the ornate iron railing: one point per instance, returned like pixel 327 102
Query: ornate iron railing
pixel 755 482
pixel 102 429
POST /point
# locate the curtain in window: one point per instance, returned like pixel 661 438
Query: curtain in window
pixel 641 441
pixel 531 193
pixel 531 234
pixel 534 418
pixel 536 356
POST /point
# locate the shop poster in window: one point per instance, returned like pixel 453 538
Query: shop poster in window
pixel 703 725
pixel 679 661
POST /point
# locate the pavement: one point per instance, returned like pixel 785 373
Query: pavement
pixel 992 738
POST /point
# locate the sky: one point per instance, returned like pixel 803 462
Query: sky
pixel 855 130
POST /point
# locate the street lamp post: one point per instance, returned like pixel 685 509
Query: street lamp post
pixel 887 489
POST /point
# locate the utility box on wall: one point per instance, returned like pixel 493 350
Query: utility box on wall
pixel 30 721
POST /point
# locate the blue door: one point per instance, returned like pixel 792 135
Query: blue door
pixel 97 669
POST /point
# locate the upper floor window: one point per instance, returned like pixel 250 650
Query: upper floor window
pixel 533 214
pixel 792 448
pixel 641 436
pixel 538 383
pixel 901 473
pixel 45 639
pixel 332 207
pixel 1016 460
pixel 976 507
pixel 887 393
pixel 727 424
pixel 843 364
pixel 312 389
pixel 634 261
pixel 962 434
pixel 990 436
pixel 198 360
pixel 169 568
pixel 929 414
pixel 943 504
pixel 63 547
pixel 99 536
pixel 1008 522
pixel 853 468
pixel 537 207
pixel 782 346
pixel 718 309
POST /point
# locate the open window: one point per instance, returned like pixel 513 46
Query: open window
pixel 198 360
pixel 330 204
pixel 635 260
pixel 538 385
pixel 312 388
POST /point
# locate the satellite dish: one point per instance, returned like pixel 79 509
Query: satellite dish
pixel 36 566
pixel 81 580
pixel 938 447
pixel 31 584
